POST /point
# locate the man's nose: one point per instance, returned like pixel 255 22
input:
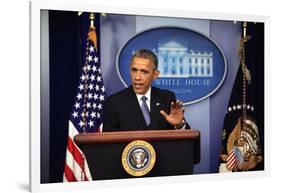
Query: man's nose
pixel 138 75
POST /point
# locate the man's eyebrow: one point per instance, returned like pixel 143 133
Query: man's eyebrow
pixel 144 70
pixel 136 69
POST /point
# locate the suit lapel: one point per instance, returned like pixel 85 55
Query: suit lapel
pixel 135 110
pixel 155 106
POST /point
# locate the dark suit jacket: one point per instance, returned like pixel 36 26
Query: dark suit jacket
pixel 122 111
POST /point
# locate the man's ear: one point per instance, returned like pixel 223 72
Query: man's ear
pixel 156 74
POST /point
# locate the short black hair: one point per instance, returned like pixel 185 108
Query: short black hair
pixel 147 54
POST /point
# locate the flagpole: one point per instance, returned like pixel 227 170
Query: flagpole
pixel 246 74
pixel 244 29
pixel 92 30
pixel 92 18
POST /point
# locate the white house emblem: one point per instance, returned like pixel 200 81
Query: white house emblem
pixel 178 61
pixel 190 63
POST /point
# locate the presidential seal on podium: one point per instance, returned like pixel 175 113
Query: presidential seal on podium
pixel 138 158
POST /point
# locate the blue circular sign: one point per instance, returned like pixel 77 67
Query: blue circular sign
pixel 190 64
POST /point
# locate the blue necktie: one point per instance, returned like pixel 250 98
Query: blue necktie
pixel 145 110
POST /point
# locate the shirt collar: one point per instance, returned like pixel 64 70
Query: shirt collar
pixel 147 94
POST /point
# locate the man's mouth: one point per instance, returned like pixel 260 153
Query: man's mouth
pixel 138 85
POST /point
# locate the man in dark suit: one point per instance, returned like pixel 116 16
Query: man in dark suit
pixel 141 106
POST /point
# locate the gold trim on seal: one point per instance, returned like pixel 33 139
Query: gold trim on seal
pixel 133 147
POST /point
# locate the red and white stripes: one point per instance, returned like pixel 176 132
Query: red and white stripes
pixel 76 167
pixel 232 161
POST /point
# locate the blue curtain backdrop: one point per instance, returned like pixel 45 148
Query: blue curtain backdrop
pixel 67 33
pixel 255 60
pixel 254 92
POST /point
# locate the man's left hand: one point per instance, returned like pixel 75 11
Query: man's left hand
pixel 176 114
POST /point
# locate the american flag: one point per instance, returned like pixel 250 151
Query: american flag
pixel 233 160
pixel 86 112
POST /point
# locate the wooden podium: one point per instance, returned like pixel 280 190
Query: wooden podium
pixel 176 151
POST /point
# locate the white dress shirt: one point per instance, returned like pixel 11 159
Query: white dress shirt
pixel 148 97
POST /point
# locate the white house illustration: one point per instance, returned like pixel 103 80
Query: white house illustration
pixel 176 60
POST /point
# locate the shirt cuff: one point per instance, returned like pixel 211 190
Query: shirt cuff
pixel 182 126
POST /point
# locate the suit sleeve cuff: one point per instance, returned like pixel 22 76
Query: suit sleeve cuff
pixel 182 126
